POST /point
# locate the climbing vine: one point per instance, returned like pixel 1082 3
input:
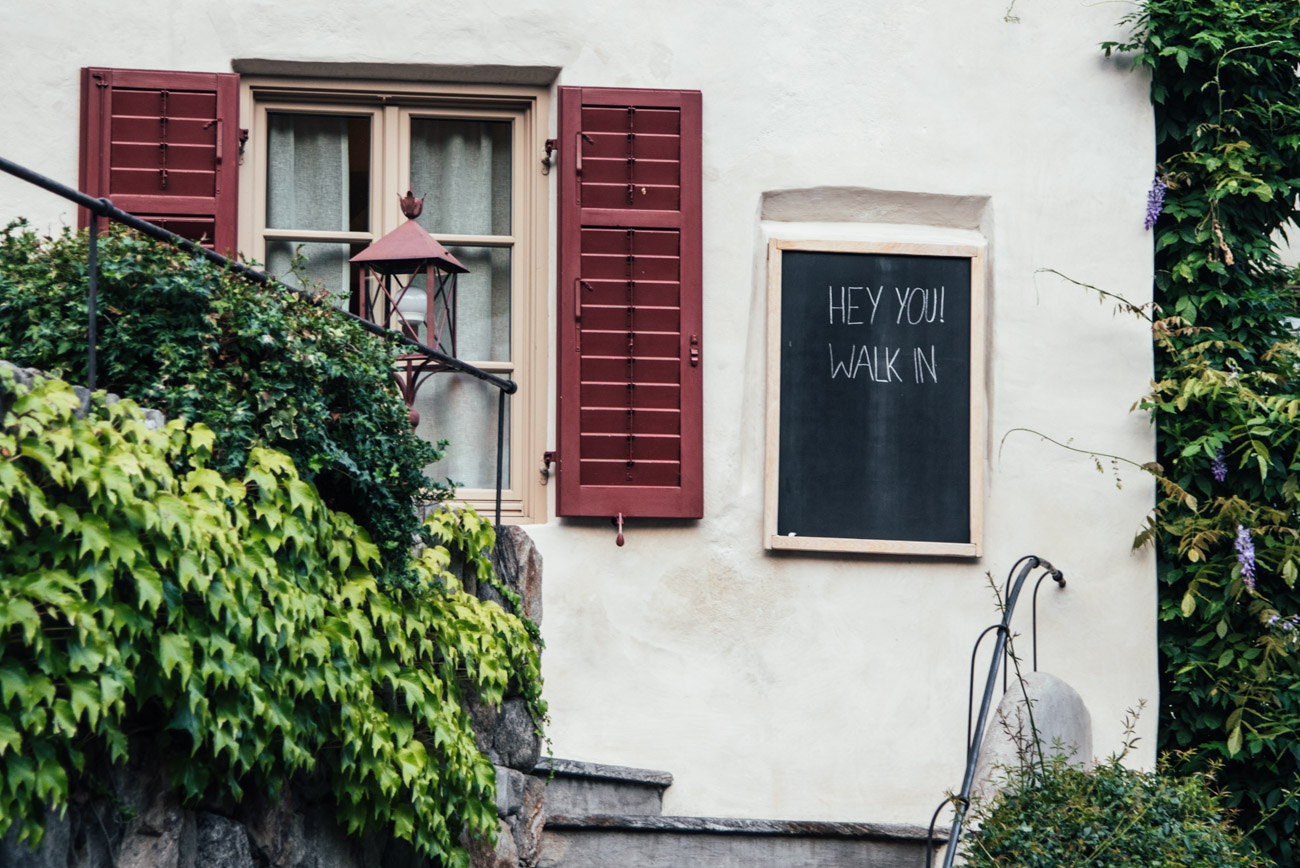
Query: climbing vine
pixel 1226 401
pixel 234 623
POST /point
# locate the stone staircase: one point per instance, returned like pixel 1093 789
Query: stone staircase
pixel 602 816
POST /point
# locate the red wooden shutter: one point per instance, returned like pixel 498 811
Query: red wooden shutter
pixel 630 402
pixel 164 146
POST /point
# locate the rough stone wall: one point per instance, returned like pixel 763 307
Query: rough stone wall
pixel 25 376
pixel 128 817
pixel 508 735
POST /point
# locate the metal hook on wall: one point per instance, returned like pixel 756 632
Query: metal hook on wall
pixel 619 521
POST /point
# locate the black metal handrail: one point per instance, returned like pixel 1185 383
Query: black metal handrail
pixel 974 741
pixel 105 208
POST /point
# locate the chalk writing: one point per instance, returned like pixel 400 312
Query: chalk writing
pixel 858 306
pixel 916 304
pixel 878 361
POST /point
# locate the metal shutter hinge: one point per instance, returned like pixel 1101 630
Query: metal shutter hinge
pixel 695 351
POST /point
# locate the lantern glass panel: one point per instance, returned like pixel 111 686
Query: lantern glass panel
pixel 483 303
pixel 462 169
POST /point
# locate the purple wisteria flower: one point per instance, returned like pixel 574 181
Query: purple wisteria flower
pixel 1219 467
pixel 1155 200
pixel 1246 557
pixel 1286 624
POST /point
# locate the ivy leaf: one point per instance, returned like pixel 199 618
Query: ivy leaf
pixel 148 586
pixel 20 612
pixel 10 737
pixel 51 780
pixel 64 720
pixel 84 698
pixel 95 535
pixel 202 438
pixel 175 651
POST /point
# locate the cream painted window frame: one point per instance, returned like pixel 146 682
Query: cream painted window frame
pixel 392 105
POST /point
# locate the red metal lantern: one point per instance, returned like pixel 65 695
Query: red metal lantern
pixel 391 296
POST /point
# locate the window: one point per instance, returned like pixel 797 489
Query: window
pixel 325 165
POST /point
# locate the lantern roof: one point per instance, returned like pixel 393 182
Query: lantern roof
pixel 407 248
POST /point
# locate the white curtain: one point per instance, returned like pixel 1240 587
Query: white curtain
pixel 461 168
pixel 307 188
pixel 463 411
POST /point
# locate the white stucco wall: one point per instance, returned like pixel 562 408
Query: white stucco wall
pixel 787 686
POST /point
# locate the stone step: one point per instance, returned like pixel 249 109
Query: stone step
pixel 578 788
pixel 605 841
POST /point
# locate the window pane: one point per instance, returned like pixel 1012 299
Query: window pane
pixel 318 172
pixel 461 168
pixel 327 265
pixel 463 410
pixel 483 304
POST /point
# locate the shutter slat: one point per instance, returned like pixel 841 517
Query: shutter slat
pixel 151 182
pixel 199 158
pixel 648 319
pixel 164 144
pixel 631 196
pixel 643 171
pixel 652 395
pixel 150 130
pixel 618 119
pixel 636 242
pixel 614 293
pixel 193 228
pixel 610 420
pixel 617 472
pixel 180 103
pixel 614 369
pixel 607 266
pixel 643 344
pixel 615 146
pixel 642 447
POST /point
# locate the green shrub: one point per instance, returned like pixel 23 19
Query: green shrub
pixel 1056 815
pixel 259 366
pixel 235 623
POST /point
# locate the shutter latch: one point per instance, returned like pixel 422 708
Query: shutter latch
pixel 548 458
pixel 618 540
pixel 552 145
pixel 695 351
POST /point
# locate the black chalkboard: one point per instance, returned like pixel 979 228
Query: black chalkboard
pixel 875 397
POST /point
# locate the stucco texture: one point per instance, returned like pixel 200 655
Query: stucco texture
pixel 793 686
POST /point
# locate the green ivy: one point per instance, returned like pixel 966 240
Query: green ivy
pixel 235 622
pixel 1227 398
pixel 261 367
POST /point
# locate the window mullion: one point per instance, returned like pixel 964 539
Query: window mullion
pixel 389 187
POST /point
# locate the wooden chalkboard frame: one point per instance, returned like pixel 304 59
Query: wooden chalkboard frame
pixel 773 541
